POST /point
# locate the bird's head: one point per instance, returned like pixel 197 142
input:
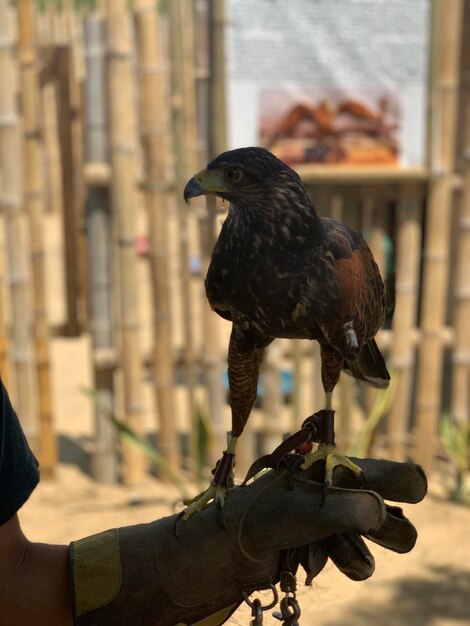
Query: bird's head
pixel 247 176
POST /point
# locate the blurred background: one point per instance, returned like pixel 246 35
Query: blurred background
pixel 113 359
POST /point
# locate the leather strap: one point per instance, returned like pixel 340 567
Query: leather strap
pixel 318 428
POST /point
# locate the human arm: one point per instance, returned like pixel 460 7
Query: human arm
pixel 159 578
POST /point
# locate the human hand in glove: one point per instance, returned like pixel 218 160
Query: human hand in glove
pixel 167 573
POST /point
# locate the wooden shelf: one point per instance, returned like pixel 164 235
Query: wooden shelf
pixel 338 174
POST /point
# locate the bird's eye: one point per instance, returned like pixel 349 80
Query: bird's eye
pixel 233 174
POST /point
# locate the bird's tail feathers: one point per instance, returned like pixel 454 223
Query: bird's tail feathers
pixel 369 366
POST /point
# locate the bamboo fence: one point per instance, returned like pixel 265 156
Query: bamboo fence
pixel 155 140
pixel 100 261
pixel 402 352
pixel 18 274
pixel 444 98
pixel 70 192
pixel 34 207
pixel 4 337
pixel 119 105
pixel 184 148
pixel 209 66
pixel 123 202
pixel 461 353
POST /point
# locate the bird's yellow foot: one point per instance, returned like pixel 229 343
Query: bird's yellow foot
pixel 217 490
pixel 332 460
pixel 201 501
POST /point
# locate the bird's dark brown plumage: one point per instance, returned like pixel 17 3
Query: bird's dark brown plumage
pixel 279 270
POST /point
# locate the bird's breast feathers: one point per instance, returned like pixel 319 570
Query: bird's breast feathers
pixel 279 291
pixel 293 290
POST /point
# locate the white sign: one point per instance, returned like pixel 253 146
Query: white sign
pixel 329 81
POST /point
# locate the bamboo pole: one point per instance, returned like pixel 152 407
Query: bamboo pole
pixel 52 163
pixel 374 212
pixel 34 203
pixel 4 338
pixel 402 350
pixel 59 30
pixel 46 25
pixel 345 384
pixel 123 199
pixel 218 107
pixel 15 235
pixel 202 70
pixel 461 352
pixel 210 143
pixel 155 142
pixel 69 197
pixel 346 207
pixel 373 227
pixel 49 109
pixel 77 118
pixel 188 83
pixel 69 12
pixel 180 31
pixel 98 219
pixel 446 56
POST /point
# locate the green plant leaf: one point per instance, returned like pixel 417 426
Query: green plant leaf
pixel 202 433
pixel 455 438
pixel 129 435
pixel 379 410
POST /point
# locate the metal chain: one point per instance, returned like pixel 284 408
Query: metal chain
pixel 257 608
pixel 289 605
pixel 257 613
pixel 290 608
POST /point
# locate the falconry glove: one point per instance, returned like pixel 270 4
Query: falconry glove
pixel 167 573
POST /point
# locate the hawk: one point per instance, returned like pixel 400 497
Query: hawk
pixel 280 270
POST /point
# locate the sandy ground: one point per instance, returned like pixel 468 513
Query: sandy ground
pixel 428 587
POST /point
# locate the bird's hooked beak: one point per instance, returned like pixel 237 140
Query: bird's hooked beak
pixel 203 183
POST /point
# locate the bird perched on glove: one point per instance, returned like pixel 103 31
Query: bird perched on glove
pixel 280 270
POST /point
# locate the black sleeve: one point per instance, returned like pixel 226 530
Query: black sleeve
pixel 19 472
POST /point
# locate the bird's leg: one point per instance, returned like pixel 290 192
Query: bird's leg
pixel 244 358
pixel 327 452
pixel 329 400
pixel 331 367
pixel 223 471
pixel 220 483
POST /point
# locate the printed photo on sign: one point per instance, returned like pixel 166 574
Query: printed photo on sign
pixel 330 126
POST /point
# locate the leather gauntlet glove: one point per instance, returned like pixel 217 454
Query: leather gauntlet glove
pixel 400 482
pixel 150 575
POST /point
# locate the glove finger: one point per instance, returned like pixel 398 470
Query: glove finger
pixel 400 482
pixel 397 533
pixel 313 559
pixel 350 555
pixel 290 511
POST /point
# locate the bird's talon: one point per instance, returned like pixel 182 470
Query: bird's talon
pixel 221 516
pixel 213 493
pixel 326 487
pixel 176 526
pixel 295 466
pixel 188 501
pixel 332 460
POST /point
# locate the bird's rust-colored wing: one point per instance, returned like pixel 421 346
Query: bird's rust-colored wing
pixel 358 304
